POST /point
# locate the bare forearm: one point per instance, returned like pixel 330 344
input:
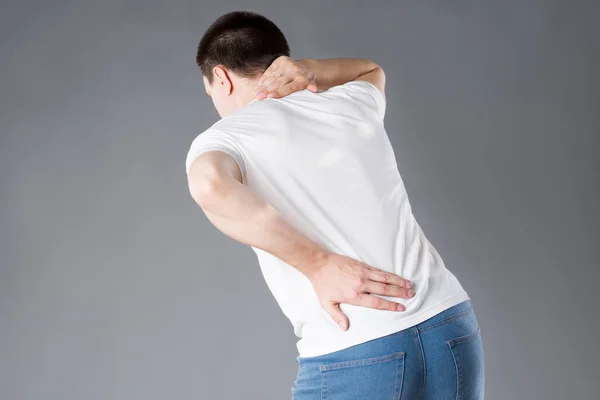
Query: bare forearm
pixel 244 216
pixel 337 71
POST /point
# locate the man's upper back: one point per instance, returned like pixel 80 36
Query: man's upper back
pixel 348 113
pixel 309 154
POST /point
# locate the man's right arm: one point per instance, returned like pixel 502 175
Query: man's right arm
pixel 337 71
pixel 285 75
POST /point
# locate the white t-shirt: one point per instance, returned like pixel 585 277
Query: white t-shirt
pixel 325 163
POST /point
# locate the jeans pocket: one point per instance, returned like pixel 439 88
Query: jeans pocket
pixel 367 378
pixel 468 358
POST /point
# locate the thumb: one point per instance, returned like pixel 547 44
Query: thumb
pixel 336 313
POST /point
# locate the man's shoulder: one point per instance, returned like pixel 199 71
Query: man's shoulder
pixel 364 93
pixel 237 123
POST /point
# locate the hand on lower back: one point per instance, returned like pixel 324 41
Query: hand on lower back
pixel 341 279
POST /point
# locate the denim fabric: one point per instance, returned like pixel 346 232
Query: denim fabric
pixel 439 359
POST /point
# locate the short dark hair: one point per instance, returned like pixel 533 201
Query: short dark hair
pixel 245 42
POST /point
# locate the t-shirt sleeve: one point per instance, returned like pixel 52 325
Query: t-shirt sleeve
pixel 212 139
pixel 368 93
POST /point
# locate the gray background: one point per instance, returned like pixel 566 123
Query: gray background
pixel 114 285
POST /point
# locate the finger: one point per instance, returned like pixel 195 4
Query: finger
pixel 264 76
pixel 268 72
pixel 261 79
pixel 277 63
pixel 276 83
pixel 295 85
pixel 289 88
pixel 268 84
pixel 336 313
pixel 262 91
pixel 266 80
pixel 388 277
pixel 260 94
pixel 387 290
pixel 371 301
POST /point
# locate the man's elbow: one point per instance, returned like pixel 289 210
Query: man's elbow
pixel 202 192
pixel 204 186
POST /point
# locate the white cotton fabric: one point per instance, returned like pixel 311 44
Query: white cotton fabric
pixel 325 163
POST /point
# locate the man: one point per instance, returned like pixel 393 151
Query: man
pixel 301 169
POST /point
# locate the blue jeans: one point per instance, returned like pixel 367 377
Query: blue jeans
pixel 439 359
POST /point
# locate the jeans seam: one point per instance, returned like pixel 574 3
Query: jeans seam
pixel 457 367
pixel 422 356
pixel 446 320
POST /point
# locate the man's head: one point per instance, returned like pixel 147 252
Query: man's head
pixel 233 53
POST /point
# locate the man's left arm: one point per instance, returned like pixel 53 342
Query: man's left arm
pixel 215 183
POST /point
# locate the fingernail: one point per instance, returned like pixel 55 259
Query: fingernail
pixel 260 95
pixel 408 284
pixel 342 324
pixel 411 293
pixel 400 307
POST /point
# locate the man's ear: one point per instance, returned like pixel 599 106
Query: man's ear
pixel 222 78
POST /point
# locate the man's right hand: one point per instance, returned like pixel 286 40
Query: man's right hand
pixel 340 279
pixel 285 76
